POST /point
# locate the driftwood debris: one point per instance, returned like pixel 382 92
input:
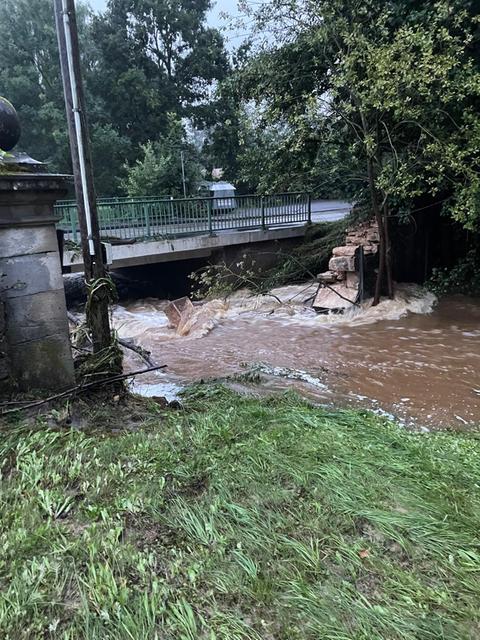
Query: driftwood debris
pixel 79 389
pixel 127 344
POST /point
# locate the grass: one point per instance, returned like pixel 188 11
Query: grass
pixel 239 518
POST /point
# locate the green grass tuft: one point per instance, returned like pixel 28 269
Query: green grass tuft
pixel 240 518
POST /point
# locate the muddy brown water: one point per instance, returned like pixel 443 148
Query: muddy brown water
pixel 414 358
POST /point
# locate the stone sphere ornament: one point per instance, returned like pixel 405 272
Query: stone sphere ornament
pixel 9 125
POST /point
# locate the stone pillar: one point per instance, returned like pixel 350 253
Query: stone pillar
pixel 31 284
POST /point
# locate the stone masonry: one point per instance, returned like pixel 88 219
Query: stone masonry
pixel 342 280
pixel 35 349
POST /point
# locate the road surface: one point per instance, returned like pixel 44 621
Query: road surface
pixel 330 210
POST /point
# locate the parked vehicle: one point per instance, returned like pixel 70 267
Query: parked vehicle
pixel 223 194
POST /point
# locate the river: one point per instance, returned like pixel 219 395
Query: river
pixel 414 358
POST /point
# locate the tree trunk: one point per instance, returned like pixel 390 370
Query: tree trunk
pixel 381 232
pixel 388 254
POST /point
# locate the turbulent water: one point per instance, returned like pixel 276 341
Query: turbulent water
pixel 412 357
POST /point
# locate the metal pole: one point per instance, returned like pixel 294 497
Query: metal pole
pixel 183 174
pixel 210 225
pixel 77 125
pixel 67 35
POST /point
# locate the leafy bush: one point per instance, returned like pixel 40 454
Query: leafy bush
pixel 464 277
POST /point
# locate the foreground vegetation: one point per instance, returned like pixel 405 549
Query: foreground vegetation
pixel 238 518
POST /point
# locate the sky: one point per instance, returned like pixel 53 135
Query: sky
pixel 226 6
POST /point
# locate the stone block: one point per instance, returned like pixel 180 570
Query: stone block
pixel 179 310
pixel 28 199
pixel 22 241
pixel 352 280
pixel 335 298
pixel 370 249
pixel 45 364
pixel 355 239
pixel 343 263
pixel 328 277
pixel 37 344
pixel 346 251
pixel 36 317
pixel 28 275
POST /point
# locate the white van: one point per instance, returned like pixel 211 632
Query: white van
pixel 223 194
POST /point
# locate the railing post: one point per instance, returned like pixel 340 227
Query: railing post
pixel 309 208
pixel 73 224
pixel 147 219
pixel 210 225
pixel 262 200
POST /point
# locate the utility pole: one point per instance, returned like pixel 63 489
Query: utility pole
pixel 182 156
pixel 97 308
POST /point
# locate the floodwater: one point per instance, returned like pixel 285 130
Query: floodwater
pixel 414 357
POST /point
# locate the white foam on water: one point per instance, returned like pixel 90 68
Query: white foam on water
pixel 147 320
pixel 286 304
pixel 167 390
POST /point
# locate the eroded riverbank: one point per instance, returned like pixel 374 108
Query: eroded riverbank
pixel 414 357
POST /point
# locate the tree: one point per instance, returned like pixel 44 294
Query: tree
pixel 30 76
pixel 141 61
pixel 398 82
pixel 222 142
pixel 159 171
pixel 156 57
pixel 110 151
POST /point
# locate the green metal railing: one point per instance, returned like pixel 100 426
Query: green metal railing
pixel 150 218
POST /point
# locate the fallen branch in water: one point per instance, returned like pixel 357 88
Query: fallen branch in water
pixel 327 286
pixel 80 388
pixel 127 344
pixel 143 353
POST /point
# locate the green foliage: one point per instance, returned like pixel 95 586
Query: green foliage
pixel 109 149
pixel 30 75
pixel 301 264
pixel 159 171
pixel 223 128
pixel 155 58
pixel 395 86
pixel 237 519
pixel 311 257
pixel 141 60
pixel 464 277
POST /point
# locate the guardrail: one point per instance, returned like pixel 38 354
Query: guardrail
pixel 153 218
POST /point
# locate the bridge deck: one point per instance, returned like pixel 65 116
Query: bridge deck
pixel 142 231
pixel 184 248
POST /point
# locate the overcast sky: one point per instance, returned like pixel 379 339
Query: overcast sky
pixel 227 6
